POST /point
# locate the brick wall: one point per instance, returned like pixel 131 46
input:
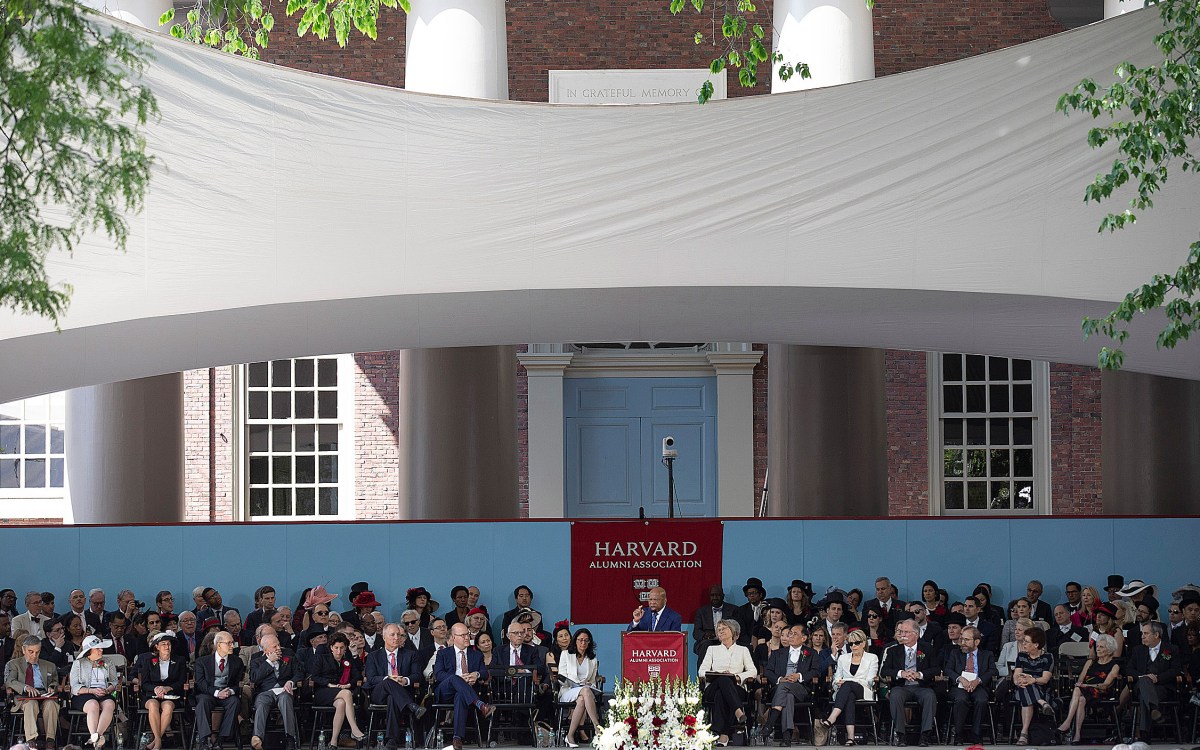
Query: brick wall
pixel 1075 474
pixel 522 434
pixel 907 432
pixel 760 426
pixel 376 447
pixel 207 444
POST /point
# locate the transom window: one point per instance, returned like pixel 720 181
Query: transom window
pixel 295 413
pixel 989 438
pixel 32 443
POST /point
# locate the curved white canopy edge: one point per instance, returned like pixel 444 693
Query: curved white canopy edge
pixel 298 214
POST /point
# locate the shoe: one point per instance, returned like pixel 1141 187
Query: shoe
pixel 821 733
pixel 487 710
pixel 1023 739
pixel 786 741
pixel 100 741
pixel 849 743
pixel 1047 709
pixel 741 720
pixel 924 742
pixel 571 744
pixel 418 711
pixel 456 743
pixel 900 740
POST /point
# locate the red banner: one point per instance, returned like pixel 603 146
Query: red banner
pixel 646 655
pixel 614 564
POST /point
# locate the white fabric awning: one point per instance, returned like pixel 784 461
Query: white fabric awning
pixel 297 214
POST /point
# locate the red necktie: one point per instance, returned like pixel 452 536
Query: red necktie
pixel 121 646
pixel 392 662
pixel 462 661
pixel 221 665
pixel 517 658
pixel 28 674
pixel 971 662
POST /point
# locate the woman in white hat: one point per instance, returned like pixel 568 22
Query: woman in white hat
pixel 93 681
pixel 161 681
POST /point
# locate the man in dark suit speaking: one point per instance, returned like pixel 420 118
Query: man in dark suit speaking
pixel 457 670
pixel 659 617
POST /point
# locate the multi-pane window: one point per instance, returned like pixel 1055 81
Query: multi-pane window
pixel 990 433
pixel 294 416
pixel 32 443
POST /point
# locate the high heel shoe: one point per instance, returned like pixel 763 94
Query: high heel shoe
pixel 1023 739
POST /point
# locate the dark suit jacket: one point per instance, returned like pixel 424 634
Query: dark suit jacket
pixel 893 613
pixel 808 666
pixel 444 668
pixel 1056 638
pixel 328 670
pixel 351 616
pixel 893 662
pixel 989 636
pixel 132 647
pixel 745 615
pixel 502 656
pixel 179 646
pixel 704 630
pixel 97 622
pixel 424 652
pixel 668 619
pixel 262 674
pixel 1166 666
pixel 504 621
pixel 956 662
pixel 206 673
pixel 377 667
pixel 936 636
pixel 151 677
pixel 1044 612
pixel 7 647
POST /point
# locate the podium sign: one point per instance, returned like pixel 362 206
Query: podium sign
pixel 646 655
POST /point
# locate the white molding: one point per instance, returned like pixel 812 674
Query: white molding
pixel 547 429
pixel 735 431
pixel 641 364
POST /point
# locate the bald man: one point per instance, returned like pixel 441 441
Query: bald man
pixel 657 616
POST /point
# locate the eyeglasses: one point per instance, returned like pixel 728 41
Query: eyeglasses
pixel 858 643
pixel 1174 612
pixel 406 623
pixel 872 615
pixel 320 612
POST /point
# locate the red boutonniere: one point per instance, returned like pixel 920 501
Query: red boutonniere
pixel 920 654
pixel 804 651
pixel 100 663
pixel 1166 656
pixel 286 660
pixel 154 661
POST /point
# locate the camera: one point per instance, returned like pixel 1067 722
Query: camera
pixel 139 604
pixel 669 448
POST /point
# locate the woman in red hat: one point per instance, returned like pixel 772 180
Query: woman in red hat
pixel 1104 622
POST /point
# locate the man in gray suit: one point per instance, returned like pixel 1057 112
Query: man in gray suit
pixel 789 671
pixel 36 680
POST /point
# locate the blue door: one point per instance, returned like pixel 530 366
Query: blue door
pixel 614 433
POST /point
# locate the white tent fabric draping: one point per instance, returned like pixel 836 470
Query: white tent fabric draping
pixel 297 214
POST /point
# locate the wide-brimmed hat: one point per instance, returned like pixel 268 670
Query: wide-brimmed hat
pixel 1133 588
pixel 157 637
pixel 778 604
pixel 1108 609
pixel 365 599
pixel 804 586
pixel 412 594
pixel 318 595
pixel 1185 588
pixel 93 641
pixel 754 583
pixel 1115 582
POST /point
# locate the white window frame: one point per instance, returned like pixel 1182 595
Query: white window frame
pixel 41 502
pixel 347 510
pixel 1042 500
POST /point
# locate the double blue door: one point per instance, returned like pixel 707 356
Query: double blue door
pixel 614 433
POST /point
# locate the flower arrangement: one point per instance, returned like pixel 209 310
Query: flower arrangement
pixel 661 714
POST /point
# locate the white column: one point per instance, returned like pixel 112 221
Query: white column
pixel 144 13
pixel 833 36
pixel 457 48
pixel 735 428
pixel 545 364
pixel 1113 8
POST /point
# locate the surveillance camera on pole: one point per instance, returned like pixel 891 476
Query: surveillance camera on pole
pixel 669 450
pixel 669 454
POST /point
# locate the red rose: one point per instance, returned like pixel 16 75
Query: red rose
pixel 632 722
pixel 690 732
pixel 154 660
pixel 689 721
pixel 286 660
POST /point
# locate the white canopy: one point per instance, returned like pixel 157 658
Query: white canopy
pixel 297 214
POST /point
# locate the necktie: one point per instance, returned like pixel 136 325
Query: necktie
pixel 517 658
pixel 28 674
pixel 654 622
pixel 462 661
pixel 392 662
pixel 221 665
pixel 121 646
pixel 971 662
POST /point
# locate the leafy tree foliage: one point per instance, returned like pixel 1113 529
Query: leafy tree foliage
pixel 1152 116
pixel 73 154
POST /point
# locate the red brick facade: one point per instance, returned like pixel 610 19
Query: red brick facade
pixel 908 433
pixel 208 444
pixel 376 447
pixel 1075 440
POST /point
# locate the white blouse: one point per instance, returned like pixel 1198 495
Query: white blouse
pixel 735 660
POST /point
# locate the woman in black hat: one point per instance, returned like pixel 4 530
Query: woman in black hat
pixel 419 599
pixel 799 603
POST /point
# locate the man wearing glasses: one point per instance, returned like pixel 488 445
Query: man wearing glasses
pixel 1038 609
pixel 911 672
pixel 457 670
pixel 970 671
pixel 1074 592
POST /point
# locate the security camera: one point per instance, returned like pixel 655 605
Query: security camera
pixel 669 447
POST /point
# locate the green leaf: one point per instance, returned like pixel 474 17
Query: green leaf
pixel 676 6
pixel 167 17
pixel 716 66
pixel 758 31
pixel 698 5
pixel 699 37
pixel 706 92
pixel 193 17
pixel 268 22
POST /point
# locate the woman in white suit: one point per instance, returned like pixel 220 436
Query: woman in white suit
pixel 853 680
pixel 579 671
pixel 726 667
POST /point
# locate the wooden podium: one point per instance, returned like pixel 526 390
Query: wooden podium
pixel 648 655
